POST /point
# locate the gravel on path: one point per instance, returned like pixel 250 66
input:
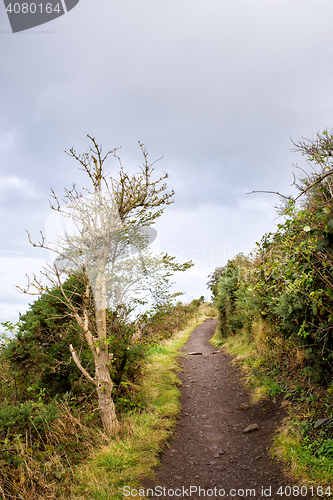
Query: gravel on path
pixel 210 455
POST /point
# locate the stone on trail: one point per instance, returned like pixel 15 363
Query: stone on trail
pixel 250 428
pixel 244 406
pixel 320 422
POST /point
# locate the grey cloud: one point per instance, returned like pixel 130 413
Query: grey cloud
pixel 216 87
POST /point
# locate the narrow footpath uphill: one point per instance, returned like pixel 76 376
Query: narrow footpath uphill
pixel 209 449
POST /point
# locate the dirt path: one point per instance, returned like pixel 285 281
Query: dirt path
pixel 209 449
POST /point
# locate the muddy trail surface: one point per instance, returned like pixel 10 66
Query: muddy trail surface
pixel 210 455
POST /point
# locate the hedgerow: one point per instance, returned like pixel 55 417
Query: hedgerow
pixel 288 278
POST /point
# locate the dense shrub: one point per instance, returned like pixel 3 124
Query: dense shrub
pixel 40 350
pixel 27 415
pixel 40 356
pixel 8 382
pixel 165 320
pixel 288 279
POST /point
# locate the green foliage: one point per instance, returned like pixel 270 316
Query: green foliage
pixel 234 297
pixel 294 285
pixel 326 449
pixel 162 322
pixel 8 382
pixel 27 415
pixel 39 445
pixel 128 357
pixel 214 279
pixel 288 280
pixel 40 351
pixel 39 354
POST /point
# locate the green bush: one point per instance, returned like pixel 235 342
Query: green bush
pixel 27 415
pixel 40 350
pixel 40 356
pixel 288 280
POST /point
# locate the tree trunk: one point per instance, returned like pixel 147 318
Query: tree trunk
pixel 104 387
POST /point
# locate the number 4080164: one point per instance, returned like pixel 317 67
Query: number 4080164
pixel 33 8
pixel 302 491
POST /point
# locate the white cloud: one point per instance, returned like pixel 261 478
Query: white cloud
pixel 12 182
pixel 16 183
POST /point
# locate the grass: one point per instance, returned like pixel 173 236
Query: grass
pixel 134 452
pixel 274 366
pixel 303 463
pixel 34 467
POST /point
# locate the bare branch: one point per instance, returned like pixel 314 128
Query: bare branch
pixel 317 181
pixel 80 367
pixel 39 244
pixel 272 192
pixel 28 287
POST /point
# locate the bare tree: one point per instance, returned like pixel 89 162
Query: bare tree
pixel 106 243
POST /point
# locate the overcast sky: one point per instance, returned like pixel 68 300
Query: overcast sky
pixel 216 87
